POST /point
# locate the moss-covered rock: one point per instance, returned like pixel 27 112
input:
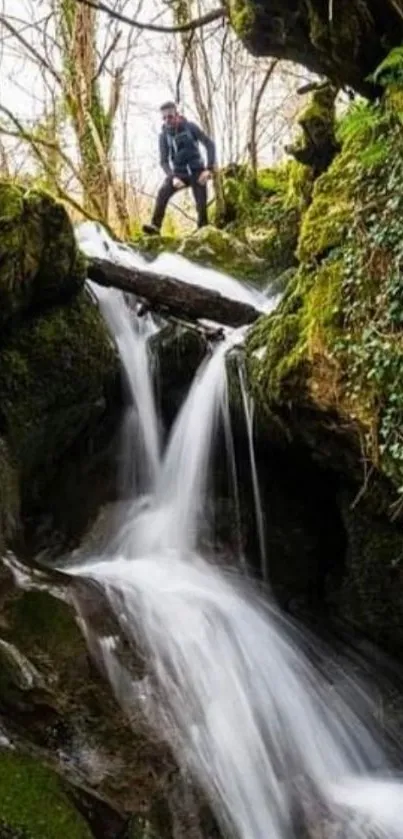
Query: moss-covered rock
pixel 220 249
pixel 330 213
pixel 328 363
pixel 38 255
pixel 59 371
pixel 33 803
pixel 263 212
pixel 284 347
pixel 151 246
pixel 242 16
pixel 317 144
pixel 54 371
pixel 346 270
pixel 345 46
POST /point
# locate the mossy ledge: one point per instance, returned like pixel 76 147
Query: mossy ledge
pixel 327 365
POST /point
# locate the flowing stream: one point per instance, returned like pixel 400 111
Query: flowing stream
pixel 240 693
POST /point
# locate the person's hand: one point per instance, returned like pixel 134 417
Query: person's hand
pixel 177 183
pixel 204 176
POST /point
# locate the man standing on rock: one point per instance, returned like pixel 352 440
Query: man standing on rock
pixel 182 162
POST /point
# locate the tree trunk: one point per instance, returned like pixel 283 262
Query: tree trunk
pixel 168 295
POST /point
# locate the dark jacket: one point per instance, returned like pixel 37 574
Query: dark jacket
pixel 179 149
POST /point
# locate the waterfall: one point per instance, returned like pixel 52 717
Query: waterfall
pixel 248 407
pixel 141 453
pixel 241 694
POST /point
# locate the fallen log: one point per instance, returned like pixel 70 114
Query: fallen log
pixel 171 296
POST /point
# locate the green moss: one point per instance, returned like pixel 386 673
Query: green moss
pixel 53 373
pixel 38 255
pixel 389 74
pixel 335 340
pixel 32 800
pixel 242 17
pixel 264 212
pixel 41 623
pixel 154 245
pixel 316 144
pixel 328 217
pixel 282 347
pixel 300 183
pixel 317 118
pixel 223 250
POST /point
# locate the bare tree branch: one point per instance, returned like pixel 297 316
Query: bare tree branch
pixel 105 57
pixel 209 17
pixel 255 112
pixel 63 195
pixel 29 48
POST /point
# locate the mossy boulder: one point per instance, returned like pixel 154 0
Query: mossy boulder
pixel 40 263
pixel 284 347
pixel 274 237
pixel 317 144
pixel 178 351
pixel 224 251
pixel 54 371
pixel 59 370
pixel 346 281
pixel 263 211
pixel 151 246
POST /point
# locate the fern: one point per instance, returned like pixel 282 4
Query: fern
pixel 361 120
pixel 364 126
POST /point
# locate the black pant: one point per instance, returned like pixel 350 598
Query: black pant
pixel 167 190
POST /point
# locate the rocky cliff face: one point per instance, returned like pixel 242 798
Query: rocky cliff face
pixel 327 366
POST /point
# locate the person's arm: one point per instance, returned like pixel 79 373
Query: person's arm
pixel 207 142
pixel 164 154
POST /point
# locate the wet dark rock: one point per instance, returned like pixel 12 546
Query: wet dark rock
pixel 177 352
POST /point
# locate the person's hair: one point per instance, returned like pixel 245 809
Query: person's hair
pixel 168 106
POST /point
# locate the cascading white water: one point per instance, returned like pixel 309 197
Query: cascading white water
pixel 248 406
pixel 233 687
pixel 141 439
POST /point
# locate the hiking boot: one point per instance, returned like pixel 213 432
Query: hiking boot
pixel 151 229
